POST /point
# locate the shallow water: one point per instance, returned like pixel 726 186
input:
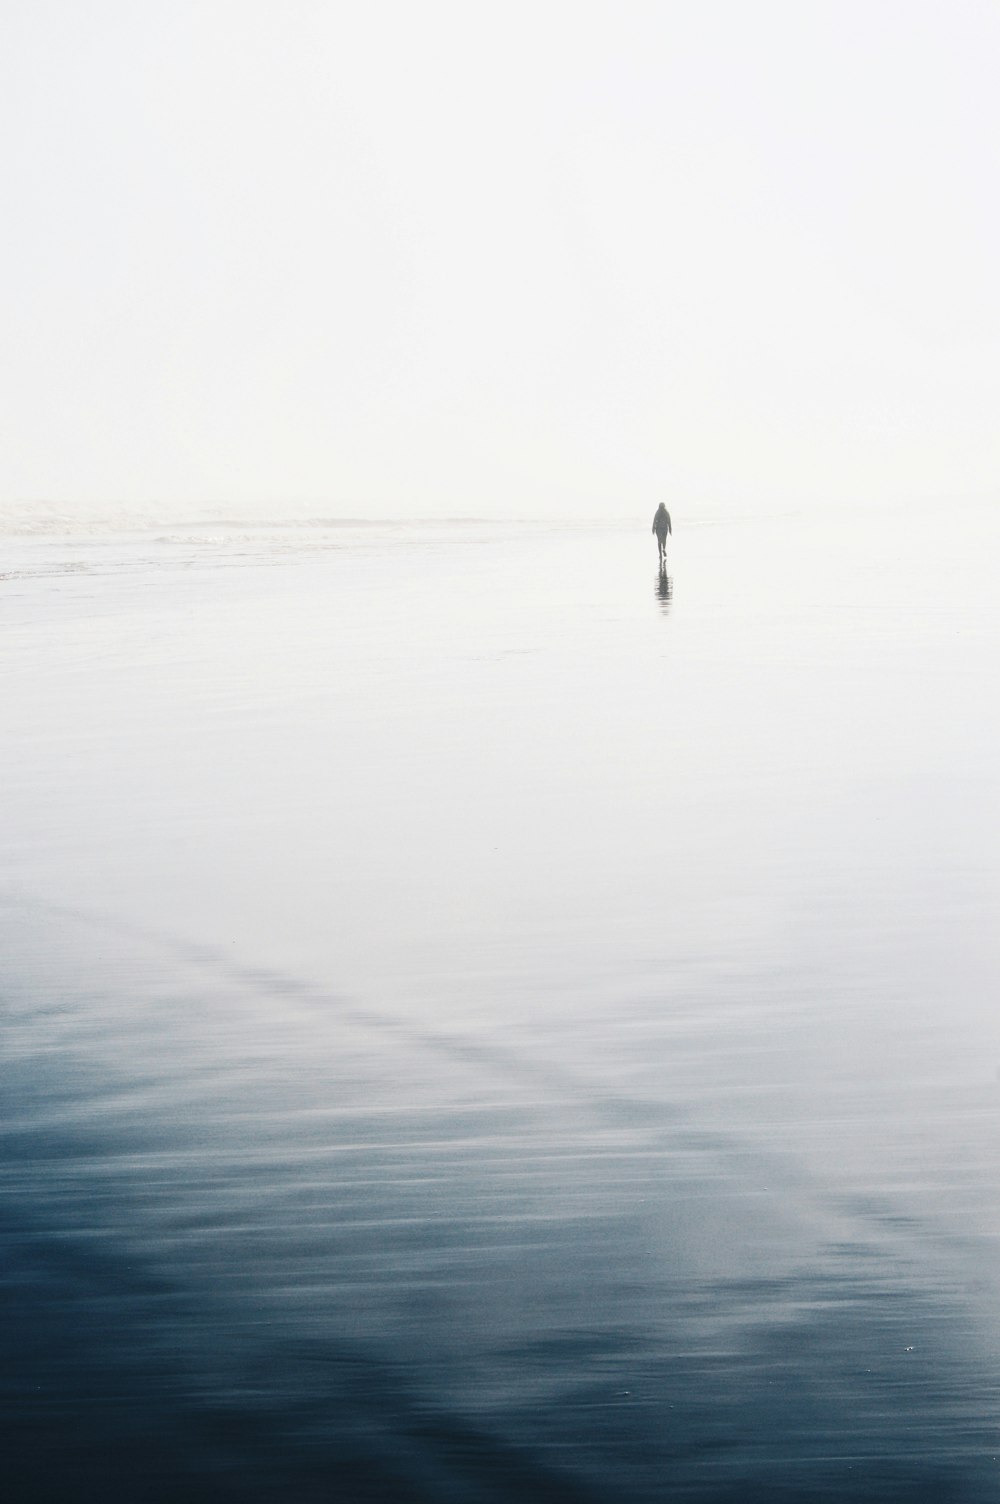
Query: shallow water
pixel 482 1021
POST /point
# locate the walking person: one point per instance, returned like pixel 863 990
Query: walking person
pixel 662 529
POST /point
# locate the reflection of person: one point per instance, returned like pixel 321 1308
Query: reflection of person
pixel 662 528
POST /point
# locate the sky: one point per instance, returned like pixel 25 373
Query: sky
pixel 298 257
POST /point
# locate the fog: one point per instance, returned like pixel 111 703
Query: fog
pixel 449 259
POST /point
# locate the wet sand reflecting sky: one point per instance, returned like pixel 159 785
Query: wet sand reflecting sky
pixel 484 1021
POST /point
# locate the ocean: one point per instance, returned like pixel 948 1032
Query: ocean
pixel 483 1019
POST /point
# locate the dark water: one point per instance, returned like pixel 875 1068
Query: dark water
pixel 483 1022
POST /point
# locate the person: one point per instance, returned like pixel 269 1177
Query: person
pixel 662 528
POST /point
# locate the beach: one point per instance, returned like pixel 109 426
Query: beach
pixel 483 1019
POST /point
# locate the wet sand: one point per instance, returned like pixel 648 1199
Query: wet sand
pixel 483 1021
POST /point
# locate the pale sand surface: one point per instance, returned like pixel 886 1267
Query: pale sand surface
pixel 481 1024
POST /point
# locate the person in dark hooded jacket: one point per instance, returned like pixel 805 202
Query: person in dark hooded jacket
pixel 662 529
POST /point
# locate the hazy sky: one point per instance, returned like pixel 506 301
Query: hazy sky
pixel 472 258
